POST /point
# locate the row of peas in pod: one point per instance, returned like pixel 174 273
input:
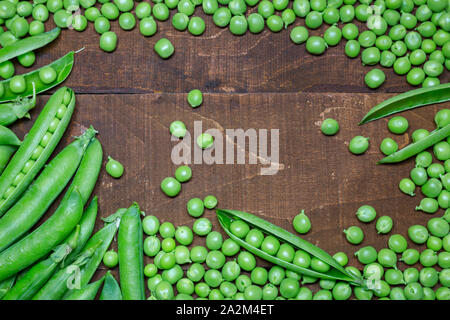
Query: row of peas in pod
pixel 411 36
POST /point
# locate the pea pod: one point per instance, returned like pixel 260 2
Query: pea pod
pixel 28 44
pixel 10 112
pixel 418 146
pixel 106 236
pixel 111 289
pixel 36 148
pixel 337 272
pixel 409 100
pixel 131 260
pixel 55 288
pixel 35 278
pixel 6 285
pixel 88 292
pixel 41 194
pixel 87 224
pixel 62 66
pixel 39 243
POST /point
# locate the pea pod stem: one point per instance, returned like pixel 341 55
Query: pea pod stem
pixel 28 44
pixel 337 272
pixel 418 146
pixel 63 66
pixel 10 112
pixel 36 277
pixel 409 100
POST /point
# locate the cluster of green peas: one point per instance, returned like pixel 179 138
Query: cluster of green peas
pixel 18 83
pixel 53 126
pixel 411 283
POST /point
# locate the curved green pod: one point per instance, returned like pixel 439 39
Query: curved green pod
pixel 87 224
pixel 38 275
pixel 45 189
pixel 336 272
pixel 409 100
pixel 105 236
pixel 6 286
pixel 22 168
pixel 40 242
pixel 88 292
pixel 111 289
pixel 6 153
pixel 131 259
pixel 28 44
pixel 57 285
pixel 62 66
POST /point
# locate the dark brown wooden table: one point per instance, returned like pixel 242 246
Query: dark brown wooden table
pixel 255 81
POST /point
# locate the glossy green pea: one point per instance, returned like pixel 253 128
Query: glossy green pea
pixel 36 153
pixel 350 31
pixel 434 243
pixel 354 235
pixel 210 202
pixel 164 48
pixel 428 258
pixel 383 43
pixel 143 10
pixel 17 84
pixel 270 245
pixel 222 17
pixel 398 125
pixel 374 78
pixel 347 13
pixel 407 186
pixel 301 7
pixel 329 126
pixel 370 56
pixel 352 48
pixel 19 27
pixel 408 20
pixel 40 13
pixel 432 188
pixel 256 24
pixel 186 6
pixel 424 159
pixel 274 23
pixel 316 45
pixel 170 186
pixel 205 140
pixel 150 225
pixel 124 5
pixel 332 36
pixel 36 27
pixel 418 234
pixel 435 170
pixel 430 82
pixel 394 277
pixel 47 74
pixel 91 14
pixel 178 129
pixel 210 6
pixel 108 41
pixel 384 225
pixel 313 20
pixel 366 213
pixel 418 176
pixel 428 205
pixel 102 25
pixel 111 259
pixel 148 27
pixel 358 145
pixel 399 48
pixel 367 255
pixel 110 11
pixel 127 21
pixel 195 207
pixel 410 256
pixel 180 21
pixel 331 15
pixel 392 17
pixel 301 223
pixel 196 26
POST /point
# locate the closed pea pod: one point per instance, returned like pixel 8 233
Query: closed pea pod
pixel 38 243
pixel 131 265
pixel 21 160
pixel 36 200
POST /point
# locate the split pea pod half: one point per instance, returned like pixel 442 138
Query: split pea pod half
pixel 88 292
pixel 6 285
pixel 105 236
pixel 131 260
pixel 55 73
pixel 8 145
pixel 111 289
pixel 38 275
pixel 87 224
pixel 40 242
pixel 28 44
pixel 409 100
pixel 10 112
pixel 68 277
pixel 335 272
pixel 44 190
pixel 36 148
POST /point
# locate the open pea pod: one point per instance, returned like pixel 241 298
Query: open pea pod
pixel 337 272
pixel 62 66
pixel 409 100
pixel 28 44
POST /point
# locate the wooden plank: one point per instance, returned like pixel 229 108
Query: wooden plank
pixel 318 173
pixel 214 62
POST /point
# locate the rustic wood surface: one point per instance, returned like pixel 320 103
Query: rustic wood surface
pixel 255 81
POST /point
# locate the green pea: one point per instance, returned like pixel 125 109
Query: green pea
pixel 332 36
pixel 114 168
pixel 102 25
pixel 301 7
pixel 195 207
pixel 370 56
pixel 127 21
pixel 256 23
pixel 384 225
pixel 148 26
pixel 164 48
pixel 150 225
pixel 399 48
pixel 40 13
pixel 143 10
pixel 358 145
pixel 266 8
pixel 111 259
pixel 331 15
pixel 210 6
pixel 186 7
pixel 383 43
pixel 170 186
pixel 27 59
pixel 180 21
pixel 17 84
pixel 108 41
pixel 410 256
pixel 352 48
pixel 36 27
pixel 354 235
pixel 347 13
pixel 91 14
pixel 316 45
pixel 210 202
pixel 222 17
pixel 124 5
pixel 205 140
pixel 110 11
pixel 19 27
pixel 313 20
pixel 350 31
pixel 47 75
pixel 329 127
pixel 79 22
pixel 367 255
pixel 418 234
pixel 301 223
pixel 160 12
